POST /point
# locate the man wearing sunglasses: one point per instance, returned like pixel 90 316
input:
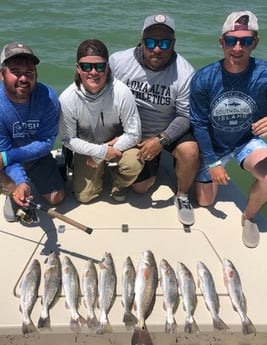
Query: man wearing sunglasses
pixel 228 105
pixel 101 125
pixel 159 79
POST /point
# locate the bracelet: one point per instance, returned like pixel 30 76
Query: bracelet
pixel 215 164
pixel 4 158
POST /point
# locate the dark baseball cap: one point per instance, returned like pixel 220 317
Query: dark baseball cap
pixel 16 49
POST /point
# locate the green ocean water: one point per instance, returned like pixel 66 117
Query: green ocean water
pixel 54 29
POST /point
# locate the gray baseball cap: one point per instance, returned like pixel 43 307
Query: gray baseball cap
pixel 17 48
pixel 159 19
pixel 231 24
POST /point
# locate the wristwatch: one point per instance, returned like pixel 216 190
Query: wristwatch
pixel 162 140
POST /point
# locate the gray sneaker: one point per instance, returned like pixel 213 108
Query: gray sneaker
pixel 185 209
pixel 10 210
pixel 250 234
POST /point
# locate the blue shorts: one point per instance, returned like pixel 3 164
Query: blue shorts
pixel 238 154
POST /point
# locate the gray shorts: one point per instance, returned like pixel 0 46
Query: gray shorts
pixel 44 174
pixel 238 154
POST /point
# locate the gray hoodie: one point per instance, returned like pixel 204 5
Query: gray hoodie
pixel 88 120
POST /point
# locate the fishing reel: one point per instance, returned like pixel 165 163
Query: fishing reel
pixel 26 215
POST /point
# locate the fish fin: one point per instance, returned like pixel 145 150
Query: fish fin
pixel 171 327
pixel 104 327
pixel 190 325
pixel 82 321
pixel 92 323
pixel 141 336
pixel 130 320
pixel 219 324
pixel 29 328
pixel 248 327
pixel 44 322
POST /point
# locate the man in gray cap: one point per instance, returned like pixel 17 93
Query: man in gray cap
pixel 29 116
pixel 159 79
pixel 228 106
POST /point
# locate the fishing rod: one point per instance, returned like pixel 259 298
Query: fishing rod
pixel 22 214
pixel 60 216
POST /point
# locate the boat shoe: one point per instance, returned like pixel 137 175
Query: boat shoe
pixel 250 234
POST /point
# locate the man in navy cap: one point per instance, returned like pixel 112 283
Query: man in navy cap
pixel 159 79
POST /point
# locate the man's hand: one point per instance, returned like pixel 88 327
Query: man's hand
pixel 259 128
pixel 21 193
pixel 112 153
pixel 219 175
pixel 149 148
pixel 89 161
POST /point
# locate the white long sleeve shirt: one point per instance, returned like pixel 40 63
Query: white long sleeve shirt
pixel 88 120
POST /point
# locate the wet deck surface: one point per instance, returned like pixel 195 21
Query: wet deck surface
pixel 152 224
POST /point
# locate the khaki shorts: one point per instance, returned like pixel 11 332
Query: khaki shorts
pixel 88 181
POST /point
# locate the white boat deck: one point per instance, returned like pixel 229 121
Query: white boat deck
pixel 152 224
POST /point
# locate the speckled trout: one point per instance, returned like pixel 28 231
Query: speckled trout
pixel 146 283
pixel 127 300
pixel 28 295
pixel 187 287
pixel 107 288
pixel 207 287
pixel 233 285
pixel 71 285
pixel 90 292
pixel 169 285
pixel 52 288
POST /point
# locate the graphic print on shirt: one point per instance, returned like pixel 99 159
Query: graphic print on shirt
pixel 25 129
pixel 232 111
pixel 154 94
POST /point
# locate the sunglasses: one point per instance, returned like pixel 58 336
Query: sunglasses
pixel 231 41
pixel 163 44
pixel 88 66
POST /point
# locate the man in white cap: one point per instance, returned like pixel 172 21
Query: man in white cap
pixel 228 106
pixel 159 78
pixel 29 115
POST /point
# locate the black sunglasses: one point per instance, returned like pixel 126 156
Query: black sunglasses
pixel 163 44
pixel 231 41
pixel 88 66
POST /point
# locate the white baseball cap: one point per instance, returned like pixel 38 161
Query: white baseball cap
pixel 231 22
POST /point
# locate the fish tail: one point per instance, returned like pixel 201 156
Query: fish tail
pixel 29 328
pixel 44 322
pixel 247 326
pixel 75 325
pixel 104 327
pixel 92 323
pixel 170 327
pixel 141 336
pixel 190 325
pixel 219 324
pixel 130 320
pixel 82 321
